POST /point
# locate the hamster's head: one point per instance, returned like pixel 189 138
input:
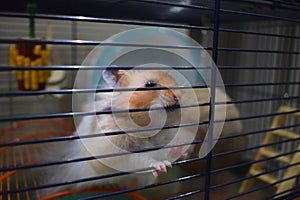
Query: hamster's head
pixel 152 97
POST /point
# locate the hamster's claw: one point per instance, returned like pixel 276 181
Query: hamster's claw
pixel 160 167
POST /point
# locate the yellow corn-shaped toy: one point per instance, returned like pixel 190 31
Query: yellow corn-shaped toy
pixel 34 80
pixel 37 50
pixel 30 55
pixel 27 82
pixel 41 76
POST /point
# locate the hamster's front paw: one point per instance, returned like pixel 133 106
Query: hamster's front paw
pixel 160 167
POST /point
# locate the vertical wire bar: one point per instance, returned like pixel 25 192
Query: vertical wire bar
pixel 8 156
pixel 212 98
pixel 293 74
pixel 34 152
pixel 25 153
pixel 14 177
pixel 1 166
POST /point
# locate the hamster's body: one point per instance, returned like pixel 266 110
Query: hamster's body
pixel 127 144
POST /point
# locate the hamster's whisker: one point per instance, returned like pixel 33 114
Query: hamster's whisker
pixel 172 107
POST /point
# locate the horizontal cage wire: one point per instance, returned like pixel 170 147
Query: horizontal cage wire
pixel 49 148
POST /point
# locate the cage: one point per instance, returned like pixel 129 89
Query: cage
pixel 254 45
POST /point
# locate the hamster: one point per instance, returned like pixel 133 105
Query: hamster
pixel 163 111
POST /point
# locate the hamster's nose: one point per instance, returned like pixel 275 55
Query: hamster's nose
pixel 176 96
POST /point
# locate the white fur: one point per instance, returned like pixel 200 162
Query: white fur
pixel 101 146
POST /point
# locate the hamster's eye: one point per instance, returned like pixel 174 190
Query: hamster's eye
pixel 150 83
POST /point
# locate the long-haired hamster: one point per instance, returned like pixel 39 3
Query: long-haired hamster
pixel 154 149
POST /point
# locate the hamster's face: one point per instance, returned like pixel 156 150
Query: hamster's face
pixel 154 97
pixel 167 98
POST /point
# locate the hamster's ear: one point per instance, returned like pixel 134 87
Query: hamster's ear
pixel 112 77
